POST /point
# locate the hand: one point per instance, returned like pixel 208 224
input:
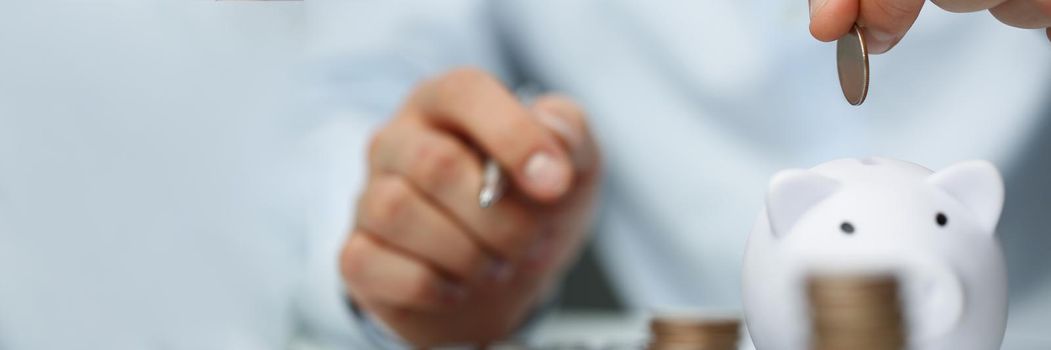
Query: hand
pixel 886 21
pixel 423 257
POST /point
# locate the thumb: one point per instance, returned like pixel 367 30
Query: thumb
pixel 884 22
pixel 567 120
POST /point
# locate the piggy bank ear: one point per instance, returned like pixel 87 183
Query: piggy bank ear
pixel 793 192
pixel 978 185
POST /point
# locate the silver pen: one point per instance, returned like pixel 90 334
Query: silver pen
pixel 493 182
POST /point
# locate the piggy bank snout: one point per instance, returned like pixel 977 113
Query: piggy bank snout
pixel 934 297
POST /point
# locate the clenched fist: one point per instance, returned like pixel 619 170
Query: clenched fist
pixel 423 257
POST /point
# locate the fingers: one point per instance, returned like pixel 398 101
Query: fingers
pixel 966 5
pixel 477 106
pixel 449 174
pixel 563 117
pixel 884 22
pixel 392 211
pixel 1030 14
pixel 831 19
pixel 420 236
pixel 379 274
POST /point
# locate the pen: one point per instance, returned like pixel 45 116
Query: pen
pixel 492 184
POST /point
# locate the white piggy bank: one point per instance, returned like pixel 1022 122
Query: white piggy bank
pixel 934 230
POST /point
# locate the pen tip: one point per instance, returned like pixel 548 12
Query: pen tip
pixel 485 199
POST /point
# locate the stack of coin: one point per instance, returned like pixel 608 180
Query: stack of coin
pixel 860 312
pixel 693 332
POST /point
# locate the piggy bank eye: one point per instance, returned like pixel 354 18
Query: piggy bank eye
pixel 846 227
pixel 941 219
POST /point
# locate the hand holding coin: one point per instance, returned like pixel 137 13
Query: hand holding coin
pixel 876 26
pixel 885 22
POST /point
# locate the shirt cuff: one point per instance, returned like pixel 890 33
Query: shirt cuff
pixel 377 333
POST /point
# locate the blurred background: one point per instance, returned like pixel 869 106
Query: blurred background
pixel 183 172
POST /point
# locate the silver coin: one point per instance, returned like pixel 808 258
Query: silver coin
pixel 852 59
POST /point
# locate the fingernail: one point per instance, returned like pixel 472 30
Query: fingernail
pixel 451 292
pixel 498 271
pixel 816 5
pixel 559 126
pixel 569 135
pixel 544 172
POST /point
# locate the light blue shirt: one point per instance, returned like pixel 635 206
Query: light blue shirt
pixel 181 174
pixel 696 104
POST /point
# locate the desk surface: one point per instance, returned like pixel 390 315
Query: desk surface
pixel 603 330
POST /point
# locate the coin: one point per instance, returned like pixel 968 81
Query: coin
pixel 852 60
pixel 694 332
pixel 858 312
